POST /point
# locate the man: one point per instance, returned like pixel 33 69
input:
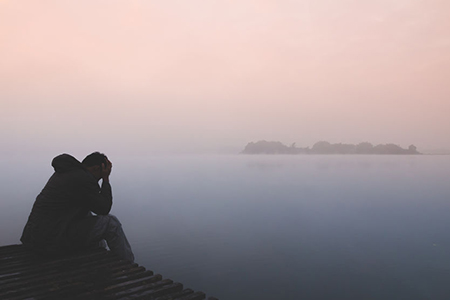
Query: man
pixel 61 220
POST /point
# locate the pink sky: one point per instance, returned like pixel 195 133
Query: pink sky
pixel 207 76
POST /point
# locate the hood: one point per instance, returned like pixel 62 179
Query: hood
pixel 65 162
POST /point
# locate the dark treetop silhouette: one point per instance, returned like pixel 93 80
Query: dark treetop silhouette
pixel 265 147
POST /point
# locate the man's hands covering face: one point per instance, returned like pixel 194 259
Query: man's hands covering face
pixel 106 170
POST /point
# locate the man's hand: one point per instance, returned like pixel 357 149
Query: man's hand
pixel 106 170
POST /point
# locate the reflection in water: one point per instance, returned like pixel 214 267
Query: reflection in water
pixel 265 166
pixel 330 162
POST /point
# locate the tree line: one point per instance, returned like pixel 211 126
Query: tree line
pixel 323 147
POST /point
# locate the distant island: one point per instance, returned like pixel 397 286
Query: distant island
pixel 323 147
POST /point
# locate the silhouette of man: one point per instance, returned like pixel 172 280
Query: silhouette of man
pixel 61 220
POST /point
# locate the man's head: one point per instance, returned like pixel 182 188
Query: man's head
pixel 95 163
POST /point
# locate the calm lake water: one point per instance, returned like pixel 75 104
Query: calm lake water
pixel 274 227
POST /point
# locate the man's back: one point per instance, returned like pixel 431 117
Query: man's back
pixel 69 195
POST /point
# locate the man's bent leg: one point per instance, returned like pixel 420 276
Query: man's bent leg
pixel 110 229
pixel 91 231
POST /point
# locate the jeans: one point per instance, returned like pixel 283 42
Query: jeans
pixel 94 230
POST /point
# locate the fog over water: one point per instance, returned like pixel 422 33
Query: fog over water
pixel 271 227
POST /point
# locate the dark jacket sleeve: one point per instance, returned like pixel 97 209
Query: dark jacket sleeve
pixel 96 199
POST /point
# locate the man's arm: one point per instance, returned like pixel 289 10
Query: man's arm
pixel 103 206
pixel 99 200
pixel 106 170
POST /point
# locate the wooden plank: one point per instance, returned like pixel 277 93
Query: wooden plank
pixel 44 268
pixel 132 283
pixel 11 249
pixel 120 267
pixel 40 264
pixel 176 295
pixel 194 296
pixel 19 277
pixel 39 283
pixel 153 293
pixel 94 274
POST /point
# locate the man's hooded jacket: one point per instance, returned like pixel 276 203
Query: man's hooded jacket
pixel 70 195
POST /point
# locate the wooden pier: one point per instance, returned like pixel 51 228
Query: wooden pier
pixel 96 274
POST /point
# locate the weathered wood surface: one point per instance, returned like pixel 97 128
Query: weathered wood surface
pixel 96 274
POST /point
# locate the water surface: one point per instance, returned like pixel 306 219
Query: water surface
pixel 274 227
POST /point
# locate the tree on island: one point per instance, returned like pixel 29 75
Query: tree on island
pixel 324 147
pixel 412 149
pixel 364 148
pixel 265 147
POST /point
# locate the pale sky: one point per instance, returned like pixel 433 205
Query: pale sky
pixel 137 77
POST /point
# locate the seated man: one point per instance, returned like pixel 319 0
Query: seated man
pixel 61 220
